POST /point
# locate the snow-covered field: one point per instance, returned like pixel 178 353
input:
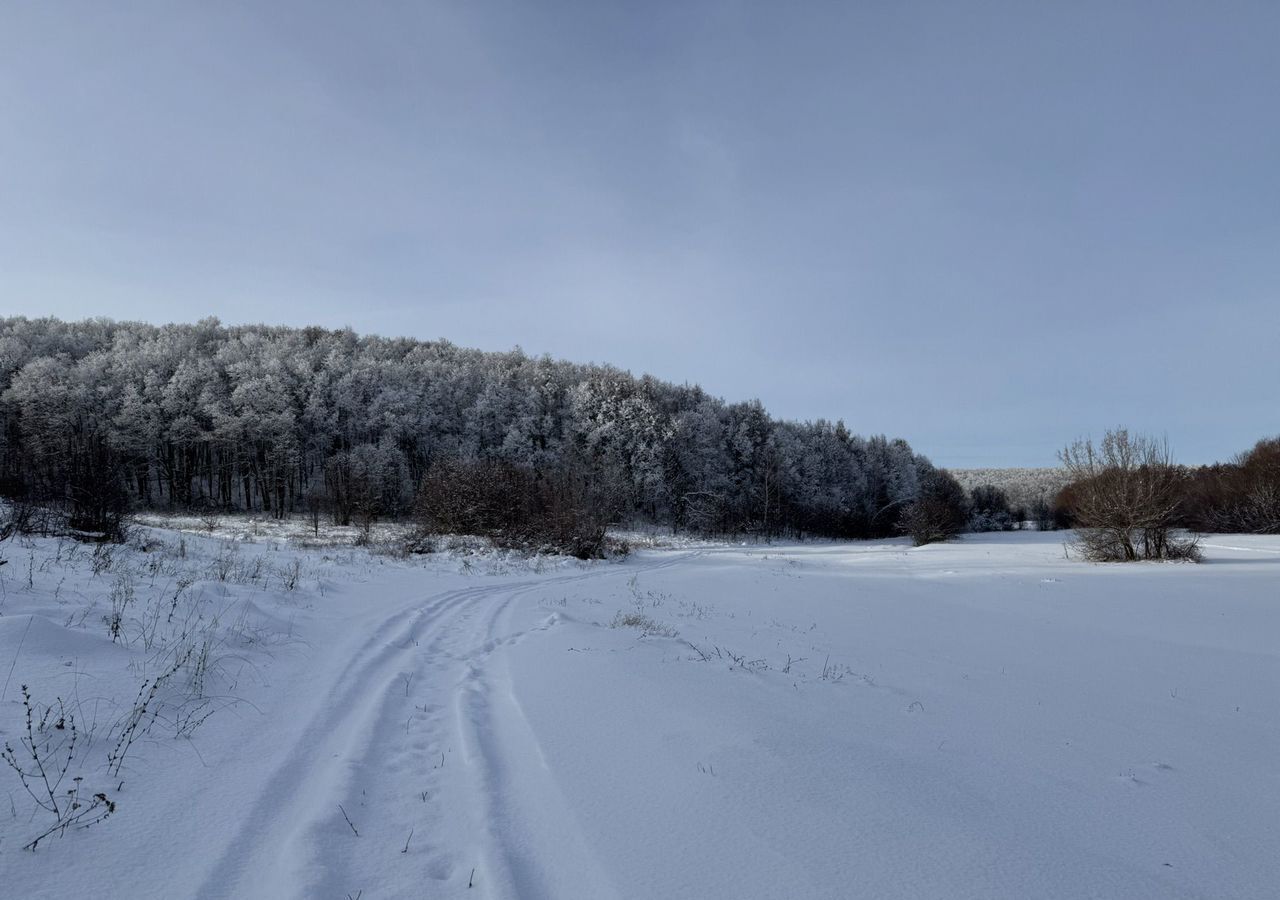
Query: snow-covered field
pixel 984 719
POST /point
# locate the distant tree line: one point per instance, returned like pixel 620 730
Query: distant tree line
pixel 104 417
pixel 1242 496
pixel 1023 488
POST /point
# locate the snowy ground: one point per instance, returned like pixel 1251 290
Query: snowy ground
pixel 985 719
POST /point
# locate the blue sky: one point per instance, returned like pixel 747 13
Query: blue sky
pixel 986 227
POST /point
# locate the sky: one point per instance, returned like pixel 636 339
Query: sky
pixel 988 228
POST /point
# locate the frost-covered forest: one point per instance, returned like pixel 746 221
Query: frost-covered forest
pixel 1023 488
pixel 105 415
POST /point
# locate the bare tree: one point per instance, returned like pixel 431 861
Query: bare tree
pixel 1125 497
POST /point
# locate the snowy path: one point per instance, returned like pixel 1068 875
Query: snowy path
pixel 419 741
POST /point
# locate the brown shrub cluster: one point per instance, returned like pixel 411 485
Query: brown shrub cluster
pixel 558 510
pixel 1126 499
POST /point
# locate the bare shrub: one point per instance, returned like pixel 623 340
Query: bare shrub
pixel 209 518
pixel 1125 498
pixel 290 575
pixel 555 510
pixel 17 517
pixel 224 563
pixel 122 596
pixel 146 709
pixel 51 744
pixel 616 547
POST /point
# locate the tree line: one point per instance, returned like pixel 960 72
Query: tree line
pixel 106 416
pixel 1127 499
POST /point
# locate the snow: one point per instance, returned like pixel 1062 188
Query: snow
pixel 988 719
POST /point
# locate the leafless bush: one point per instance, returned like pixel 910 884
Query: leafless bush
pixel 122 596
pixel 1125 497
pixel 209 519
pixel 558 510
pixel 249 571
pixel 146 708
pixel 104 557
pixel 47 750
pixel 615 547
pixel 224 563
pixel 17 517
pixel 290 575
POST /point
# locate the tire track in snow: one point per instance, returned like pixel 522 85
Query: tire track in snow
pixel 379 744
pixel 269 857
pixel 522 818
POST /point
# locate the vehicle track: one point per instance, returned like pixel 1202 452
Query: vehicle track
pixel 420 743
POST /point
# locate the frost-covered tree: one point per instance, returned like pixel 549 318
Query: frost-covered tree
pixel 284 420
pixel 989 509
pixel 937 513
